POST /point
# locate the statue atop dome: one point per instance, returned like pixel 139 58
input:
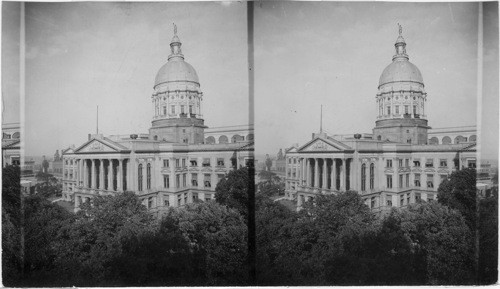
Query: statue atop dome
pixel 400 29
pixel 175 29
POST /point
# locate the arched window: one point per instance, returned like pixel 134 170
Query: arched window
pixel 379 137
pixel 433 140
pixel 223 139
pixel 210 140
pixel 372 176
pixel 472 138
pixel 155 137
pixel 446 140
pixel 148 177
pixel 139 179
pixel 363 177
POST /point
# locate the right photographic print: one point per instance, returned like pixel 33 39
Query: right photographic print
pixel 376 143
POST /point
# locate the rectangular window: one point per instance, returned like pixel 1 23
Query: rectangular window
pixel 166 163
pixel 389 182
pixel 179 200
pixel 190 109
pixel 150 202
pixel 194 180
pixel 195 197
pixel 206 162
pixel 206 180
pixel 164 110
pixel 166 181
pixel 400 161
pixel 185 198
pixel 183 163
pixel 177 163
pixel 220 177
pixel 372 203
pixel 207 197
pixel 407 180
pixel 430 197
pixel 417 180
pixel 430 181
pixel 429 163
pixel 294 161
pixel 407 109
pixel 194 162
pixel 177 181
pixel 400 184
pixel 414 110
pixel 418 197
pixel 172 109
pixel 182 109
pixel 184 180
pixel 416 163
pixel 389 163
pixel 220 162
pixel 471 164
pixel 443 163
pixel 166 203
pixel 401 200
pixel 407 199
pixel 407 162
pixel 397 109
pixel 388 110
pixel 388 200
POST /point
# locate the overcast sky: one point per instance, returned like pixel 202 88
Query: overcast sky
pixel 313 53
pixel 80 55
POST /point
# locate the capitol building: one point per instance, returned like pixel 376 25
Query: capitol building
pixel 401 162
pixel 177 162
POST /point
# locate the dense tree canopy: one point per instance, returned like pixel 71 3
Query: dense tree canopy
pixel 232 190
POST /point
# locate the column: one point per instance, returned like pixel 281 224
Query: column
pixel 93 176
pixel 334 180
pixel 342 175
pixel 316 173
pixel 101 174
pixel 119 172
pixel 324 175
pixel 110 175
pixel 308 172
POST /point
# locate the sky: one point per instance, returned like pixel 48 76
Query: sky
pixel 80 55
pixel 309 54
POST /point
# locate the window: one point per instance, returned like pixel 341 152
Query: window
pixel 148 176
pixel 407 162
pixel 173 109
pixel 401 200
pixel 166 181
pixel 182 109
pixel 417 180
pixel 294 161
pixel 185 198
pixel 389 110
pixel 430 197
pixel 207 197
pixel 400 161
pixel 177 181
pixel 184 180
pixel 389 163
pixel 429 163
pixel 372 176
pixel 194 163
pixel 166 203
pixel 430 181
pixel 220 162
pixel 190 109
pixel 407 180
pixel 389 182
pixel 220 177
pixel 206 180
pixel 416 163
pixel 418 197
pixel 407 199
pixel 206 162
pixel 150 202
pixel 471 164
pixel 139 178
pixel 183 163
pixel 177 163
pixel 195 197
pixel 443 163
pixel 194 180
pixel 414 110
pixel 397 109
pixel 166 163
pixel 400 184
pixel 388 200
pixel 179 200
pixel 407 109
pixel 363 177
pixel 164 110
pixel 372 203
pixel 443 178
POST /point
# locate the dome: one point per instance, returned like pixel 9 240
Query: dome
pixel 401 70
pixel 176 70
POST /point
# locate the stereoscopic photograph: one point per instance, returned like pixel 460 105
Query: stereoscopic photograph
pixel 271 143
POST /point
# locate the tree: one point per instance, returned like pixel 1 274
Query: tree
pixel 269 163
pixel 232 190
pixel 488 240
pixel 48 185
pixel 459 192
pixel 88 244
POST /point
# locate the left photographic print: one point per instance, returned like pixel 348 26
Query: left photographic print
pixel 127 145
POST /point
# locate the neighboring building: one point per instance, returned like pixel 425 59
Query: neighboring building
pixel 176 163
pixel 56 165
pixel 280 163
pixel 11 144
pixel 394 166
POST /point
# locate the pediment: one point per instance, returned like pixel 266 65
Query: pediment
pixel 96 146
pixel 319 145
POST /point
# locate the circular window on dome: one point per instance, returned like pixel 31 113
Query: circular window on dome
pixel 414 98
